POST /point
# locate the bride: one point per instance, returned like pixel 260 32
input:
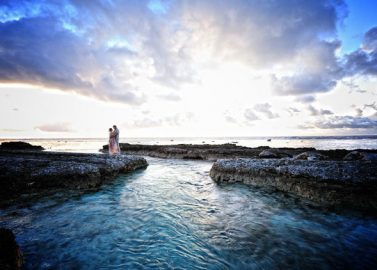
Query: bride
pixel 113 146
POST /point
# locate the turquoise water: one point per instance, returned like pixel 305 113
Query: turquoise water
pixel 173 216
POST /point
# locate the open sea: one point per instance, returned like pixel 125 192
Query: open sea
pixel 318 142
pixel 171 215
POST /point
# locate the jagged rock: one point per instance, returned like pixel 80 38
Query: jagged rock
pixel 357 155
pixel 25 172
pixel 310 156
pixel 10 253
pixel 20 146
pixel 351 184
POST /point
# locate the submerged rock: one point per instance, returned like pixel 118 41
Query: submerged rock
pixel 338 183
pixel 10 253
pixel 26 172
pixel 20 146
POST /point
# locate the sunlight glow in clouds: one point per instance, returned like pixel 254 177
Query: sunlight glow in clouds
pixel 187 68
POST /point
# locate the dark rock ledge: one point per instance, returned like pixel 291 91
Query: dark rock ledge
pixel 18 145
pixel 10 253
pixel 27 172
pixel 333 183
pixel 210 152
pixel 213 152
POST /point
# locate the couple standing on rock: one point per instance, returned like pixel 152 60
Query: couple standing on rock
pixel 114 140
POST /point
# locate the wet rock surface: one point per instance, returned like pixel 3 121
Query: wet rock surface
pixel 26 172
pixel 221 151
pixel 336 183
pixel 10 253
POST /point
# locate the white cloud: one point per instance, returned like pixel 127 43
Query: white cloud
pixel 346 122
pixel 250 115
pixel 315 112
pixel 55 127
pixel 265 109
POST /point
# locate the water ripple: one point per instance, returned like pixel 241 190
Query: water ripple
pixel 173 216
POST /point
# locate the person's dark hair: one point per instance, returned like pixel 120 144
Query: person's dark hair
pixel 110 129
pixel 114 126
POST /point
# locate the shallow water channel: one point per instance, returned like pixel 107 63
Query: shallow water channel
pixel 172 215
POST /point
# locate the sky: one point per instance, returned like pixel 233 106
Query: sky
pixel 188 68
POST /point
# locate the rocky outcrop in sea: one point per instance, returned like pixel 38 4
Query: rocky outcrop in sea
pixel 214 152
pixel 10 253
pixel 18 145
pixel 27 172
pixel 335 183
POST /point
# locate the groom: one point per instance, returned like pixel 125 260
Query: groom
pixel 116 133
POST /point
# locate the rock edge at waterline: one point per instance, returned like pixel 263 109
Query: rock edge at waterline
pixel 10 253
pixel 214 152
pixel 352 184
pixel 26 172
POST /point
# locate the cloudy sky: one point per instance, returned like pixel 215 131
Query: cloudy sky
pixel 188 68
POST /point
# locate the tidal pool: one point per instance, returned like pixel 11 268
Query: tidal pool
pixel 173 216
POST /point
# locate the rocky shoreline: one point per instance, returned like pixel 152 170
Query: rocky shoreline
pixel 344 178
pixel 350 184
pixel 10 253
pixel 27 170
pixel 36 172
pixel 213 152
pixel 339 178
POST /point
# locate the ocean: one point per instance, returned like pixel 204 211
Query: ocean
pixel 172 215
pixel 92 145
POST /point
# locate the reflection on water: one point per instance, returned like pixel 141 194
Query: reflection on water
pixel 172 215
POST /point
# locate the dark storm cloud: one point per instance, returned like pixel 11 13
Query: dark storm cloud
pixel 101 48
pixel 303 84
pixel 364 60
pixel 39 51
pixel 264 32
pixel 46 44
pixel 319 73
